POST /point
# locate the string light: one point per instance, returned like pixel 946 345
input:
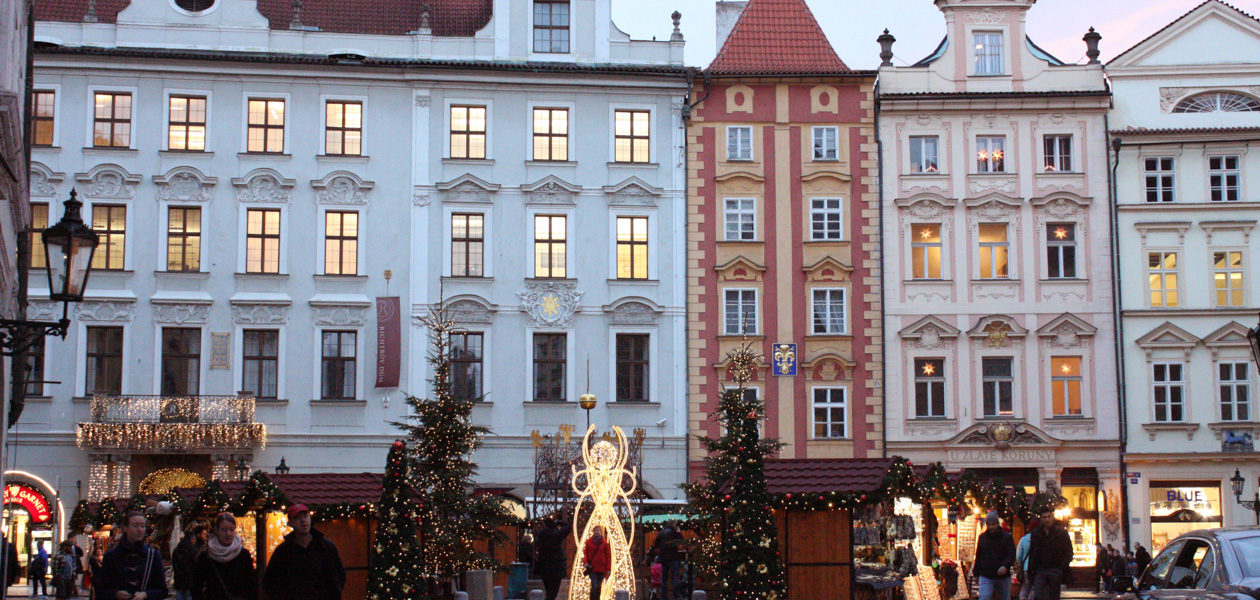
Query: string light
pixel 604 475
pixel 162 481
pixel 98 481
pixel 163 423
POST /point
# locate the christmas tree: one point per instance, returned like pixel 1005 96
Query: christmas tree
pixel 740 547
pixel 395 571
pixel 443 440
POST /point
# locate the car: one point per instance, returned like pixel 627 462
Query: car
pixel 1209 564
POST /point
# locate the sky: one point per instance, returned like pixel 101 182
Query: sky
pixel 853 25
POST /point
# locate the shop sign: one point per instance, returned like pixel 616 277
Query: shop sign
pixel 30 499
pixel 986 455
pixel 1179 501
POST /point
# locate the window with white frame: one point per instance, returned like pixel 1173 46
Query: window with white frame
pixel 1168 392
pixel 1061 250
pixel 632 367
pixel 829 308
pixel 1058 152
pixel 181 361
pixel 988 52
pixel 826 219
pixel 338 359
pixel 44 117
pixel 1162 277
pixel 262 240
pixel 551 26
pixel 104 354
pixel 1065 382
pixel 826 143
pixel 929 388
pixel 739 142
pixel 998 382
pixel 925 250
pixel 924 153
pixel 632 247
pixel 550 246
pixel 34 368
pixel 183 238
pixel 111 120
pixel 830 413
pixel 186 123
pixel 39 222
pixel 551 134
pixel 994 251
pixel 343 128
pixel 1234 388
pixel 991 154
pixel 260 354
pixel 1227 277
pixel 341 242
pixel 468 245
pixel 265 128
pixel 109 221
pixel 740 218
pixel 467 358
pixel 739 311
pixel 550 358
pixel 1160 177
pixel 632 136
pixel 1223 177
pixel 468 131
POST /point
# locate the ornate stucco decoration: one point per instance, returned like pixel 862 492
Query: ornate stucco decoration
pixel 469 311
pixel 424 101
pixel 43 310
pixel 551 190
pixel 1066 331
pixel 467 188
pixel 263 185
pixel 997 331
pixel 339 315
pixel 632 192
pixel 105 311
pixel 341 187
pixel 44 180
pixel 180 313
pixel 1003 435
pixel 929 333
pixel 550 303
pixel 260 314
pixel 185 184
pixel 992 208
pixel 987 16
pixel 633 312
pixel 108 182
pixel 1169 97
pixel 1063 206
pixel 1168 337
pixel 1211 228
pixel 925 207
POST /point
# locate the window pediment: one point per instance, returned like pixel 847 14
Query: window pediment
pixel 108 182
pixel 1167 336
pixel 43 180
pixel 926 206
pixel 185 184
pixel 828 366
pixel 1178 227
pixel 469 309
pixel 467 188
pixel 738 175
pixel 633 192
pixel 824 175
pixel 929 333
pixel 1066 330
pixel 1232 334
pixel 263 185
pixel 551 190
pixel 996 331
pixel 1211 227
pixel 828 269
pixel 740 268
pixel 341 187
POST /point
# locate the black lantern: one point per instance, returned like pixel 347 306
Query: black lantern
pixel 1237 480
pixel 282 469
pixel 69 246
pixel 242 469
pixel 1253 337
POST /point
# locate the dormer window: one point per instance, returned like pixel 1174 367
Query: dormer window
pixel 195 6
pixel 1218 101
pixel 988 49
pixel 551 26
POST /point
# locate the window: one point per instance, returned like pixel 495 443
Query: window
pixel 466 365
pixel 44 120
pixel 195 6
pixel 343 128
pixel 109 221
pixel 998 384
pixel 337 353
pixel 183 239
pixel 826 219
pixel 826 143
pixel 39 222
pixel 186 123
pixel 924 153
pixel 1223 176
pixel 1214 101
pixel 929 388
pixel 1162 275
pixel 631 136
pixel 739 143
pixel 1159 179
pixel 104 361
pixel 35 368
pixel 181 361
pixel 468 132
pixel 1065 381
pixel 262 240
pixel 266 125
pixel 551 134
pixel 740 216
pixel 549 246
pixel 1061 250
pixel 829 309
pixel 740 312
pixel 551 26
pixel 341 242
pixel 994 250
pixel 988 59
pixel 549 365
pixel 1058 152
pixel 1227 278
pixel 468 245
pixel 632 248
pixel 925 250
pixel 1234 384
pixel 1169 392
pixel 261 360
pixel 632 367
pixel 990 154
pixel 111 121
pixel 830 414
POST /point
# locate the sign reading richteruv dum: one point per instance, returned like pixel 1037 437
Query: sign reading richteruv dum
pixel 388 341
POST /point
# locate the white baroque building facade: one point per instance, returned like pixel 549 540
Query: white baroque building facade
pixel 260 175
pixel 998 297
pixel 1183 131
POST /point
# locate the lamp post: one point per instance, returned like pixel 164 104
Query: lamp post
pixel 242 469
pixel 1237 482
pixel 1253 338
pixel 282 469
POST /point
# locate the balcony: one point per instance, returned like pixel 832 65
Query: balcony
pixel 171 424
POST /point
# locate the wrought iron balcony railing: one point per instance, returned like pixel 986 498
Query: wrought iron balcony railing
pixel 171 423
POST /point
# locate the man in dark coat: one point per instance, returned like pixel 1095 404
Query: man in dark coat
pixel 550 563
pixel 1049 556
pixel 184 558
pixel 995 555
pixel 306 565
pixel 132 570
pixel 11 566
pixel 666 549
pixel 1143 558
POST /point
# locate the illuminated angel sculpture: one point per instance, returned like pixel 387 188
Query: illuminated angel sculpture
pixel 605 470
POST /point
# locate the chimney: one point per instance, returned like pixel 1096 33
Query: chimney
pixel 728 12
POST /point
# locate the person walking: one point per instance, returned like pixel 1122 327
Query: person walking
pixel 1021 559
pixel 95 566
pixel 37 570
pixel 1049 557
pixel 64 572
pixel 597 557
pixel 666 550
pixel 77 552
pixel 184 560
pixel 225 571
pixel 995 555
pixel 1119 567
pixel 132 569
pixel 1142 558
pixel 550 563
pixel 306 565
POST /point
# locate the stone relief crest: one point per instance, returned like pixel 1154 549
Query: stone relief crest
pixel 997 333
pixel 340 316
pixel 185 185
pixel 1002 436
pixel 42 180
pixel 551 190
pixel 181 313
pixel 632 195
pixel 43 310
pixel 550 303
pixel 1061 208
pixel 341 188
pixel 260 314
pixel 988 16
pixel 468 312
pixel 108 182
pixel 633 313
pixel 993 184
pixel 263 185
pixel 929 338
pixel 105 312
pixel 926 209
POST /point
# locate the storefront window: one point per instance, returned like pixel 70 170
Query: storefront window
pixel 1178 507
pixel 1082 523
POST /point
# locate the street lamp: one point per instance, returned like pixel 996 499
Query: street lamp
pixel 242 469
pixel 282 469
pixel 1253 338
pixel 1237 482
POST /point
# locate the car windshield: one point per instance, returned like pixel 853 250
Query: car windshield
pixel 1248 552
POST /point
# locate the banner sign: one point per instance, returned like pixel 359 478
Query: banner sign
pixel 34 502
pixel 388 341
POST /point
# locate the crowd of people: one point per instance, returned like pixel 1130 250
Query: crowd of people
pixel 543 550
pixel 1040 560
pixel 1114 563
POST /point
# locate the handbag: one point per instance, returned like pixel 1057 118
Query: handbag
pixel 226 592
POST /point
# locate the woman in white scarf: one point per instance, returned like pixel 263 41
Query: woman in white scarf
pixel 225 571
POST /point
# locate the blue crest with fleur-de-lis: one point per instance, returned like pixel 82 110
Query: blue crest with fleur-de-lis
pixel 784 360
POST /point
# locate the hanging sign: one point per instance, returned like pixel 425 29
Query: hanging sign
pixel 388 341
pixel 29 498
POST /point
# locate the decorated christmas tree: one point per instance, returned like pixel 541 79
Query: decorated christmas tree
pixel 443 440
pixel 740 547
pixel 395 571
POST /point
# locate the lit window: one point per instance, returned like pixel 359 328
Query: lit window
pixel 550 246
pixel 1234 385
pixel 830 413
pixel 111 125
pixel 266 125
pixel 1227 278
pixel 826 143
pixel 1159 179
pixel 924 153
pixel 740 217
pixel 739 142
pixel 1169 392
pixel 1061 250
pixel 551 134
pixel 109 221
pixel 343 128
pixel 1058 152
pixel 988 56
pixel 262 240
pixel 925 250
pixel 338 354
pixel 632 248
pixel 39 222
pixel 468 245
pixel 829 309
pixel 551 26
pixel 998 384
pixel 261 358
pixel 1065 381
pixel 44 119
pixel 466 365
pixel 929 387
pixel 994 251
pixel 739 312
pixel 631 136
pixel 826 219
pixel 186 128
pixel 632 367
pixel 990 154
pixel 468 132
pixel 183 238
pixel 1162 275
pixel 1223 177
pixel 341 243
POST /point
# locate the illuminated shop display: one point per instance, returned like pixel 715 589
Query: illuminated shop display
pixel 1081 518
pixel 1180 507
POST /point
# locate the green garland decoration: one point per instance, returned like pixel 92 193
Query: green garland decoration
pixel 81 518
pixel 259 494
pixel 211 501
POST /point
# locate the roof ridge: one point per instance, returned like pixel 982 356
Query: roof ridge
pixel 777 36
pixel 1178 20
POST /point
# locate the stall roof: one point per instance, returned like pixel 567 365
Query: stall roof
pixel 822 475
pixel 327 488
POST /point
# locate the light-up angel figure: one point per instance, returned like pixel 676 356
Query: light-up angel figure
pixel 605 470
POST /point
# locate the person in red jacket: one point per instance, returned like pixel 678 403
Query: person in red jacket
pixel 598 559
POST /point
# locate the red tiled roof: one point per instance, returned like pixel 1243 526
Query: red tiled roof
pixel 821 475
pixel 450 18
pixel 776 37
pixel 328 488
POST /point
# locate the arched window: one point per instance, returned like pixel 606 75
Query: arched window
pixel 1218 101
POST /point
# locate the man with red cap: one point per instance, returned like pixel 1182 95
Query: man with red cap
pixel 306 565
